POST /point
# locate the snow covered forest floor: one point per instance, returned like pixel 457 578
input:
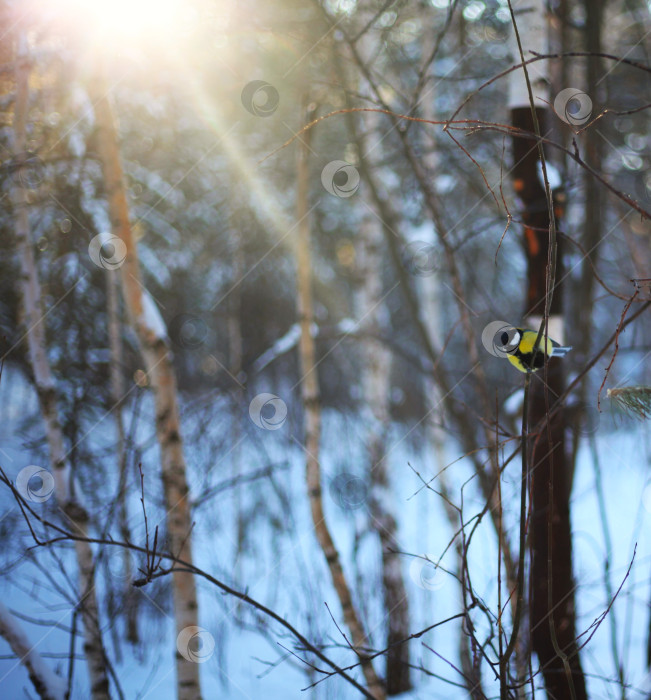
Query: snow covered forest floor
pixel 324 349
pixel 277 561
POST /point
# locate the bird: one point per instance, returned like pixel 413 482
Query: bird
pixel 518 346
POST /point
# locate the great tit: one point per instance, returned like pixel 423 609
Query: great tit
pixel 518 346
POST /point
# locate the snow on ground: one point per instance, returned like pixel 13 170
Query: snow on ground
pixel 279 563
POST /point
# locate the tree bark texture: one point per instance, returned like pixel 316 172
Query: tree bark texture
pixel 117 395
pixel 376 382
pixel 312 409
pixel 162 378
pixel 31 298
pixel 552 614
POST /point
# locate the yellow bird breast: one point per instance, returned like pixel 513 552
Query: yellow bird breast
pixel 527 342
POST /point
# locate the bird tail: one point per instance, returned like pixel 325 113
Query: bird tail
pixel 561 350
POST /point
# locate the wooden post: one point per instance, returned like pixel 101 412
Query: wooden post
pixel 552 611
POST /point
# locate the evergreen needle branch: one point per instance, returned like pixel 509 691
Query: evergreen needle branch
pixel 635 400
pixel 560 401
pixel 620 327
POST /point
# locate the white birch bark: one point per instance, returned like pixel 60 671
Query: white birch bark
pixel 31 298
pixel 160 372
pixel 376 386
pixel 117 395
pixel 430 290
pixel 312 409
pixel 235 368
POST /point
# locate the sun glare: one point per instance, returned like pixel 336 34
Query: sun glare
pixel 142 21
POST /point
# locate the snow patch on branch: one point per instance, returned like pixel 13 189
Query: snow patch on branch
pixel 46 682
pixel 290 340
pixel 553 176
pixel 283 345
pixel 151 319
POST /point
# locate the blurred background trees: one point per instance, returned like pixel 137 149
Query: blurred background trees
pixel 418 419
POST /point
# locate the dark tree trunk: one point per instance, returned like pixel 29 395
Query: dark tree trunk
pixel 593 154
pixel 552 613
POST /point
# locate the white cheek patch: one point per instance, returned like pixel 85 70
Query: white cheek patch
pixel 506 341
pixel 510 340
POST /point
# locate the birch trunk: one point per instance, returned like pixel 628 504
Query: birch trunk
pixel 117 394
pixel 376 385
pixel 430 293
pixel 31 298
pixel 376 375
pixel 235 350
pixel 430 296
pixel 162 378
pixel 594 207
pixel 487 479
pixel 312 408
